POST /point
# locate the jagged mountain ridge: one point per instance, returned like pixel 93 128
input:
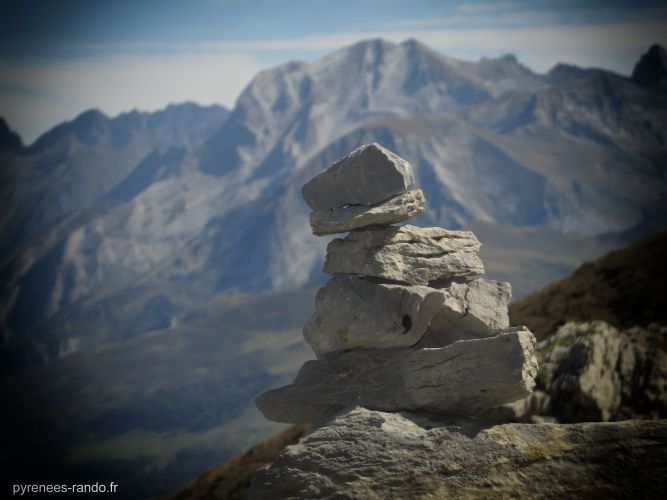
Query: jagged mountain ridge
pixel 651 69
pixel 490 141
pixel 287 113
pixel 9 140
pixel 76 162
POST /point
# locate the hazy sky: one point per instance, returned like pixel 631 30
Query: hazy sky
pixel 58 58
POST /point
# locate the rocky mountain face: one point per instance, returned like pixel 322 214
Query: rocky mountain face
pixel 76 163
pixel 67 232
pixel 100 231
pixel 9 140
pixel 651 69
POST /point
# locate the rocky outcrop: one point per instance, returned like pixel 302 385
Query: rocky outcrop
pixel 370 454
pixel 594 372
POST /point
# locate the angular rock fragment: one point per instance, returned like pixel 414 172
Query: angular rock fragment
pixel 461 379
pixel 352 312
pixel 470 310
pixel 407 254
pixel 397 209
pixel 367 176
pixel 602 373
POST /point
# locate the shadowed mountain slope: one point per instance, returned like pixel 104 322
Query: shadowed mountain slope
pixel 625 288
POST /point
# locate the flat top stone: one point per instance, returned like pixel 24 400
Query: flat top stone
pixel 367 176
pixel 407 254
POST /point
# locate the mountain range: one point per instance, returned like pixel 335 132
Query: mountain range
pixel 170 252
pixel 134 220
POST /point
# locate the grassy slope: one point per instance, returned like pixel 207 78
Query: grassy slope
pixel 231 479
pixel 626 287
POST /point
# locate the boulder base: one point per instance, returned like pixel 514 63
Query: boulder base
pixel 375 455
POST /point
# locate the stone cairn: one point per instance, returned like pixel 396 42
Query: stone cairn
pixel 407 323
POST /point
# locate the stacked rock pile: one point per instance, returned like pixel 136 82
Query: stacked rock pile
pixel 407 323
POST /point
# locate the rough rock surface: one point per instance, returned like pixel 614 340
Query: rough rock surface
pixel 352 312
pixel 470 310
pixel 376 455
pixel 368 175
pixel 397 209
pixel 596 372
pixel 407 254
pixel 463 378
pixel 536 408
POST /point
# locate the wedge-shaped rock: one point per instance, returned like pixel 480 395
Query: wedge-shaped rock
pixel 352 312
pixel 470 311
pixel 397 209
pixel 407 254
pixel 367 176
pixel 461 379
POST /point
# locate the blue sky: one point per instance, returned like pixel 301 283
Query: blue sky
pixel 58 58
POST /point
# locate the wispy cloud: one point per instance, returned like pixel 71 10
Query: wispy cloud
pixel 541 47
pixel 148 75
pixel 34 96
pixel 477 7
